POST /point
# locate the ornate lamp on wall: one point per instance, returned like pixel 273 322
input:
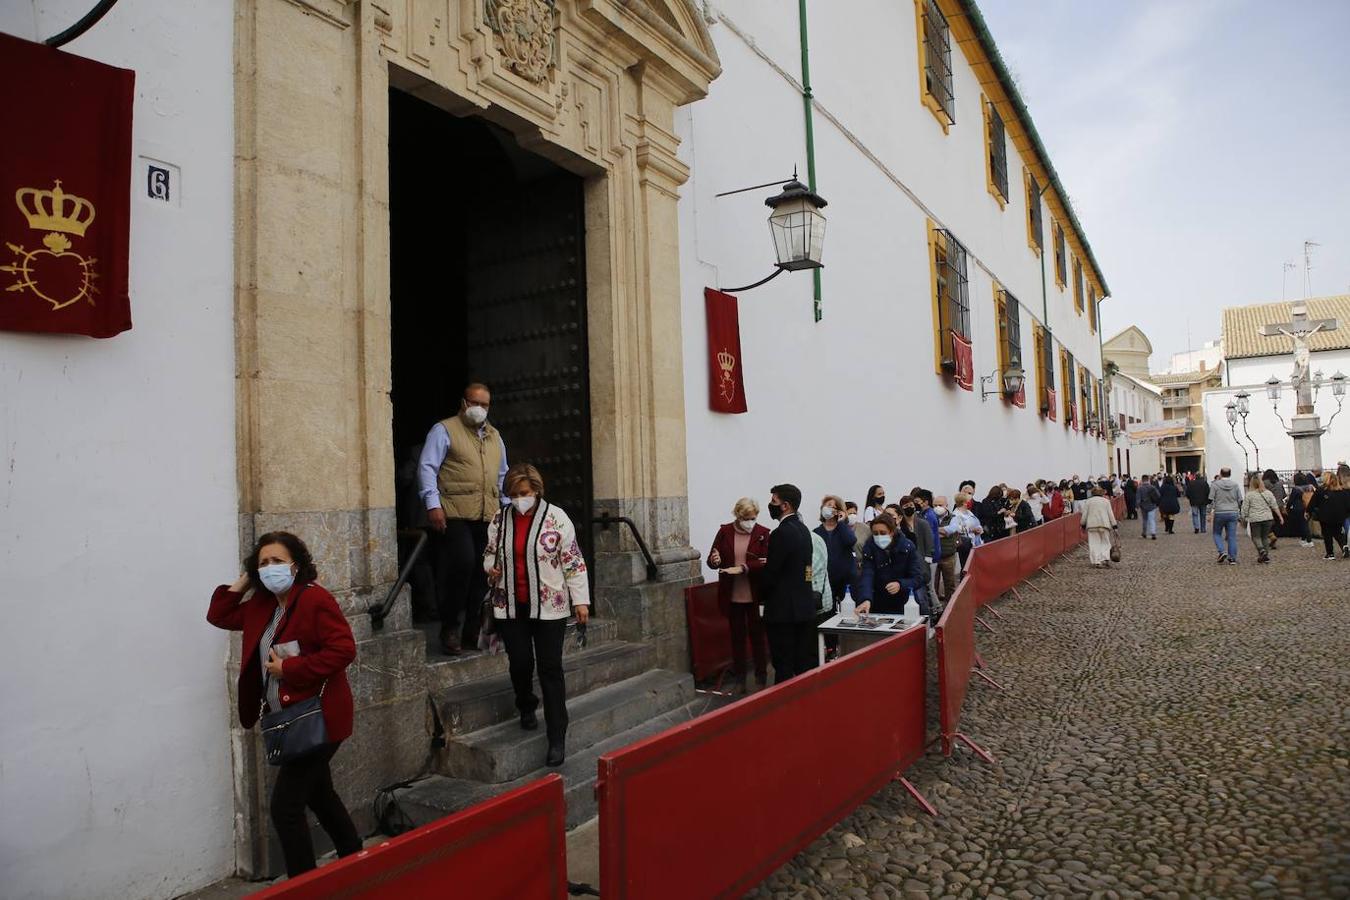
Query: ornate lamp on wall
pixel 1014 379
pixel 796 225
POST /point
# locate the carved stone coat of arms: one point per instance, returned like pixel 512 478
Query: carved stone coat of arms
pixel 526 35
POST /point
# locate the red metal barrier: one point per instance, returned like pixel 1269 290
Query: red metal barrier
pixel 710 807
pixel 956 659
pixel 1031 551
pixel 995 569
pixel 1077 534
pixel 1118 507
pixel 709 631
pixel 510 847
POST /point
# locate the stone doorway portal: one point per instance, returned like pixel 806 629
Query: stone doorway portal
pixel 487 283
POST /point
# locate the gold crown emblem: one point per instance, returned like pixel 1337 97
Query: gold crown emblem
pixel 726 360
pixel 55 210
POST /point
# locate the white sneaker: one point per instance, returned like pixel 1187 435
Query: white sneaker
pixel 1305 543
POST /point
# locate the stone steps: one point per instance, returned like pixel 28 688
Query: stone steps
pixel 488 701
pixel 504 752
pixel 436 796
pixel 445 672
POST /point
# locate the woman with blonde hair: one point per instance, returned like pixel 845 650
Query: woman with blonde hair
pixel 1260 510
pixel 739 551
pixel 538 577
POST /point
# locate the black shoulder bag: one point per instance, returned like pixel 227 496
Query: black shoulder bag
pixel 292 731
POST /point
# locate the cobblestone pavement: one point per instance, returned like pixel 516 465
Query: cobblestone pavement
pixel 1169 728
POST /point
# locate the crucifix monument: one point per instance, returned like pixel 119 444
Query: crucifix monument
pixel 1305 427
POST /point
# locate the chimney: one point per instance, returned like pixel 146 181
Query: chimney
pixel 1202 366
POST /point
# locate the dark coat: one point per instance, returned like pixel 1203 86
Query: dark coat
pixel 840 544
pixel 898 562
pixel 1024 517
pixel 725 545
pixel 785 581
pixel 1148 496
pixel 1197 492
pixel 326 649
pixel 1169 499
pixel 1330 507
pixel 990 514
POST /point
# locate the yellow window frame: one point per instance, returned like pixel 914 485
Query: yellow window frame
pixel 990 184
pixel 1035 240
pixel 1061 251
pixel 933 104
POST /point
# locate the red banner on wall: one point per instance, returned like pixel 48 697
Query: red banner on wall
pixel 1020 398
pixel 1050 402
pixel 726 374
pixel 965 362
pixel 65 191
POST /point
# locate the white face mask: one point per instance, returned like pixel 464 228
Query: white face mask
pixel 853 519
pixel 476 415
pixel 523 504
pixel 746 525
pixel 826 512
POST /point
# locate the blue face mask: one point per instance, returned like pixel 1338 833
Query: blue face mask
pixel 277 578
pixel 882 540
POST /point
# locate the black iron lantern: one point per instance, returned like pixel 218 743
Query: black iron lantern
pixel 797 226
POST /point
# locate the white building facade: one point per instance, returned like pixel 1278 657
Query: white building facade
pixel 1134 402
pixel 909 170
pixel 119 511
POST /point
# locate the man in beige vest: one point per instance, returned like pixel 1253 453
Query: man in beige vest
pixel 460 477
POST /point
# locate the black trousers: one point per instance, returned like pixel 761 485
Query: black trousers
pixel 745 622
pixel 308 781
pixel 1334 532
pixel 457 555
pixel 538 641
pixel 792 648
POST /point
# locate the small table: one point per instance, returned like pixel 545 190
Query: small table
pixel 875 628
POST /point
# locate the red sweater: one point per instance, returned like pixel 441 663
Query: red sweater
pixel 326 649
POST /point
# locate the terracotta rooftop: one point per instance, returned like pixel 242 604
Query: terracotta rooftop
pixel 1164 380
pixel 1242 336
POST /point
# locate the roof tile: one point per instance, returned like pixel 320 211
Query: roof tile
pixel 1242 336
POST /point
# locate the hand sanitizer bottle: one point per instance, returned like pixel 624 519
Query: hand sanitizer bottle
pixel 848 610
pixel 911 610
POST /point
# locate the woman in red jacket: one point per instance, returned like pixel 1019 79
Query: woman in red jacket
pixel 738 553
pixel 297 644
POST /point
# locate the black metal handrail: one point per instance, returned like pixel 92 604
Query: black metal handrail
pixel 379 613
pixel 604 520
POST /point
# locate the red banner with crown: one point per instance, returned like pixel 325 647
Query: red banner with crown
pixel 726 374
pixel 65 191
pixel 1050 404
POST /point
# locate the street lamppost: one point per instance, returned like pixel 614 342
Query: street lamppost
pixel 1338 384
pixel 1231 413
pixel 796 225
pixel 1244 407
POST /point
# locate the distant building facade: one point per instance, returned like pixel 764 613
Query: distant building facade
pixel 1208 356
pixel 1134 402
pixel 1130 350
pixel 1183 402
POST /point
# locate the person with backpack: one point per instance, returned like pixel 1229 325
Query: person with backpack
pixel 1149 498
pixel 1260 510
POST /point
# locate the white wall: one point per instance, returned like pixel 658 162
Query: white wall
pixel 1277 448
pixel 118 510
pixel 838 405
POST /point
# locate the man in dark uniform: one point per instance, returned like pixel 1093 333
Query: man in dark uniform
pixel 460 477
pixel 789 604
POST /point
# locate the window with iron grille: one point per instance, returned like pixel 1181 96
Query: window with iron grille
pixel 1092 308
pixel 1070 388
pixel 1078 285
pixel 937 51
pixel 1085 395
pixel 1046 360
pixel 998 152
pixel 1035 226
pixel 1061 270
pixel 1009 331
pixel 952 293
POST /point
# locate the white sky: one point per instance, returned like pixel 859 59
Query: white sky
pixel 1201 143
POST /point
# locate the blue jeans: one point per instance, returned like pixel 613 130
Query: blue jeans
pixel 1198 518
pixel 1150 522
pixel 1226 522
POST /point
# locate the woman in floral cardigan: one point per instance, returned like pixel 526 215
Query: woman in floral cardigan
pixel 537 576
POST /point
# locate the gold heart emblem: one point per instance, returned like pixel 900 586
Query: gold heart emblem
pixel 54 273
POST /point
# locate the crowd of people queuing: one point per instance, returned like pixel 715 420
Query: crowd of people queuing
pixel 776 586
